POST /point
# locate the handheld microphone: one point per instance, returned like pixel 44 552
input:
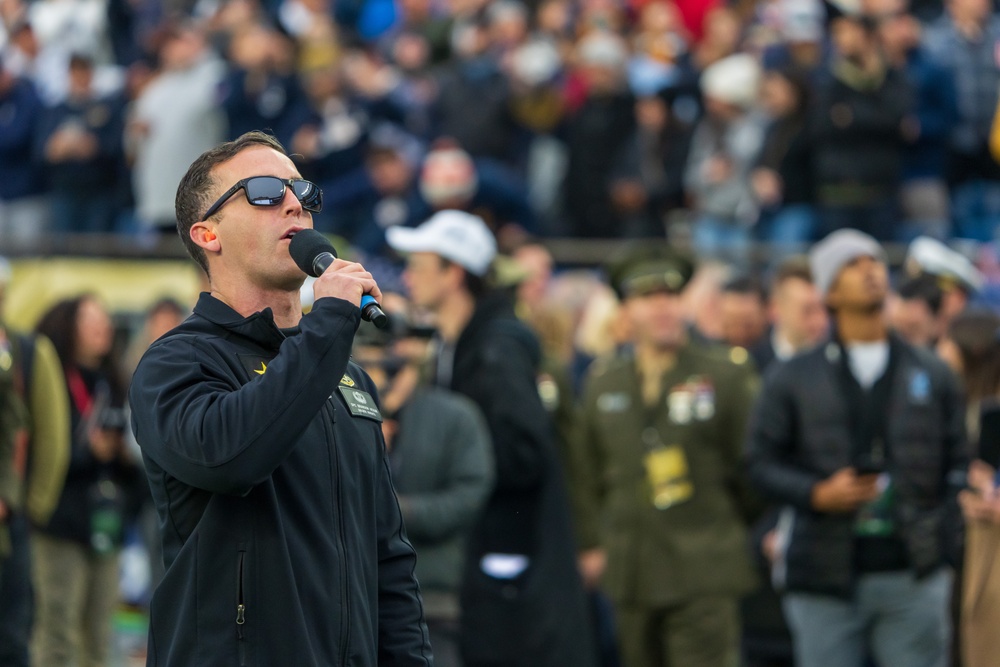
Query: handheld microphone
pixel 314 254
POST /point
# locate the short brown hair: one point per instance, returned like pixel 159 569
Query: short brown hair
pixel 795 267
pixel 193 192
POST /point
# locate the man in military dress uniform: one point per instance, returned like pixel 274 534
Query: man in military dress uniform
pixel 662 503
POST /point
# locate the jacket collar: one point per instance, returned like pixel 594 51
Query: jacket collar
pixel 834 349
pixel 259 327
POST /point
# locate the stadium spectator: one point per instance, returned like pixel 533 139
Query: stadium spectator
pixel 702 300
pixel 261 89
pixel 969 347
pixel 743 311
pixel 799 322
pixel 328 131
pixel 857 132
pixel 782 174
pixel 801 43
pixel 473 102
pixel 798 319
pixel 80 140
pixel 724 147
pixel 452 179
pixel 596 129
pixel 425 20
pixel 442 467
pixel 963 40
pixel 964 347
pixel 957 277
pixel 36 411
pixel 662 501
pixel 863 439
pixel 24 209
pixel 924 201
pixel 916 313
pixel 174 119
pixel 521 551
pixel 647 183
pixel 75 573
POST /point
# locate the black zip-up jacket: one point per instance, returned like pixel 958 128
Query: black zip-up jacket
pixel 282 537
pixel 801 433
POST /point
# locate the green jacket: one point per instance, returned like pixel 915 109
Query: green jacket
pixel 47 415
pixel 695 547
pixel 11 423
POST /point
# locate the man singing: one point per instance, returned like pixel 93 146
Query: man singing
pixel 282 537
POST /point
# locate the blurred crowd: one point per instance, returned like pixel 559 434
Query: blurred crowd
pixel 723 127
pixel 719 123
pixel 86 513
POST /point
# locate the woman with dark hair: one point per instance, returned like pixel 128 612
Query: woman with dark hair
pixel 972 347
pixel 75 555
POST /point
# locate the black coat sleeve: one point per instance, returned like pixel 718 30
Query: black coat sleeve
pixel 769 450
pixel 194 418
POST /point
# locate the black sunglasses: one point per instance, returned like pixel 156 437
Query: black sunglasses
pixel 269 191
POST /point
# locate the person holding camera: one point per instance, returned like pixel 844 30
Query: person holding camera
pixel 863 440
pixel 75 572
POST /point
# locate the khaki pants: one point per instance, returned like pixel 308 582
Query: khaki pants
pixel 76 591
pixel 980 618
pixel 702 633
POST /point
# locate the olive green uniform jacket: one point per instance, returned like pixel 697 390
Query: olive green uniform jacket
pixel 661 557
pixel 11 420
pixel 34 431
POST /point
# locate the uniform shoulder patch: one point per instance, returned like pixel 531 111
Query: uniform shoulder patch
pixel 347 381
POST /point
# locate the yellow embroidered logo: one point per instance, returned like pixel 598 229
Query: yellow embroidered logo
pixel 262 369
pixel 347 381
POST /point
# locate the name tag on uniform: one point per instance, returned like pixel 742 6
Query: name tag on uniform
pixel 360 403
pixel 667 474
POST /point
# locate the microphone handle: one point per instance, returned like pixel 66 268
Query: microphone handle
pixel 370 310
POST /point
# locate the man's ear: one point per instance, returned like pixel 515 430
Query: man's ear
pixel 831 299
pixel 204 235
pixel 456 273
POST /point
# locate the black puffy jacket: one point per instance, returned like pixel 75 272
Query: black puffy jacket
pixel 801 433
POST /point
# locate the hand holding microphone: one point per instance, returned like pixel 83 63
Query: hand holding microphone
pixel 314 254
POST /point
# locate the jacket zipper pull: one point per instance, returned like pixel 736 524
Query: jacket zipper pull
pixel 240 608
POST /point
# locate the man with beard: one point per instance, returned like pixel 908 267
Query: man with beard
pixel 862 439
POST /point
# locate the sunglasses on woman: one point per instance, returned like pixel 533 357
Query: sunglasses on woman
pixel 270 191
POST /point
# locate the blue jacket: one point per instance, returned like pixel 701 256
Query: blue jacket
pixel 972 66
pixel 105 118
pixel 282 537
pixel 936 109
pixel 20 109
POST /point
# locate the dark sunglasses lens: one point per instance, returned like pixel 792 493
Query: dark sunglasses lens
pixel 309 194
pixel 265 191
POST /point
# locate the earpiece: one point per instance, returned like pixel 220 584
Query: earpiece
pixel 210 236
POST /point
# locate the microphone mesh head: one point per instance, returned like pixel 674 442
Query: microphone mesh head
pixel 306 246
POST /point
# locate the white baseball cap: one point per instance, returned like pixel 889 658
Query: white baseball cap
pixel 733 80
pixel 457 236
